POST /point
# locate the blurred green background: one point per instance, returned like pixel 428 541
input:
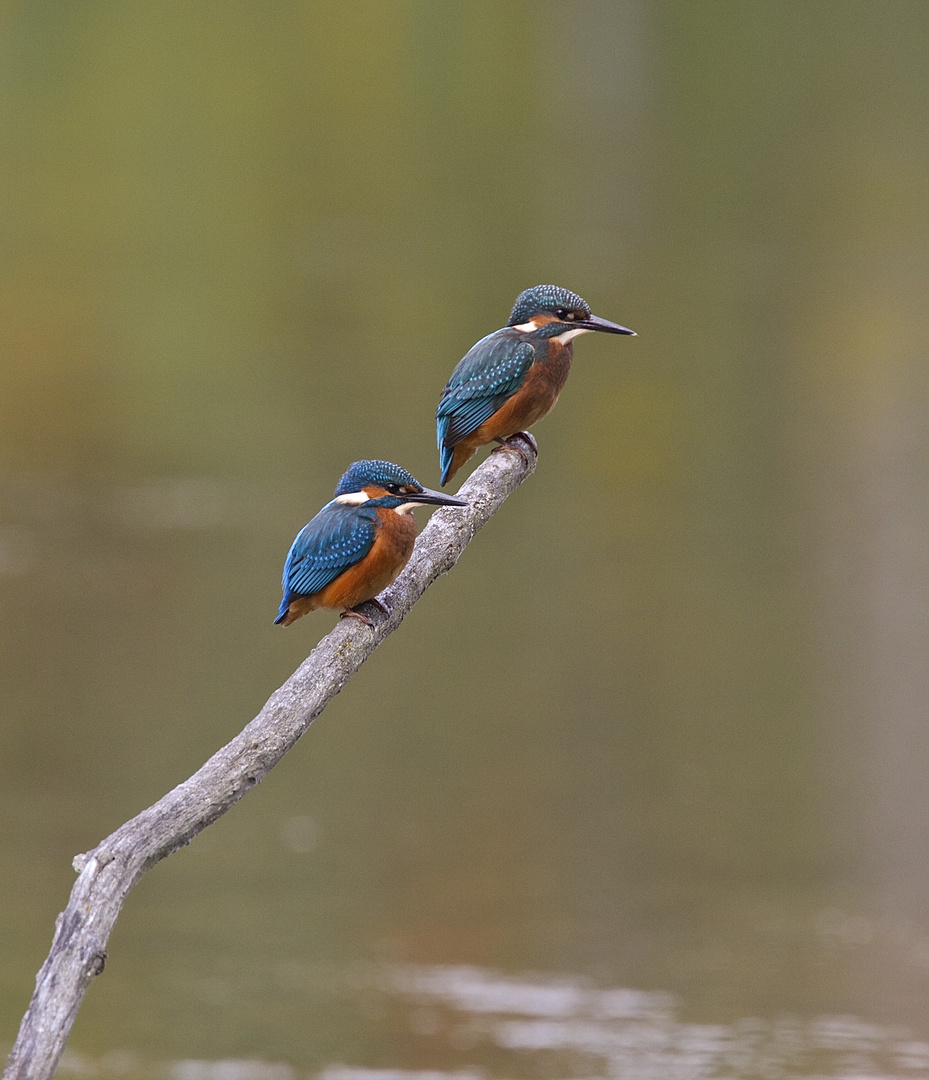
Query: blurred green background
pixel 664 726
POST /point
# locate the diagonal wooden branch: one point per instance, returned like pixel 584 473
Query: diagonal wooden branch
pixel 109 871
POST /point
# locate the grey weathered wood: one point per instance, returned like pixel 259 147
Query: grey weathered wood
pixel 109 871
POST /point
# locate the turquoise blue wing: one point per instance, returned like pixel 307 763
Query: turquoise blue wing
pixel 337 538
pixel 484 379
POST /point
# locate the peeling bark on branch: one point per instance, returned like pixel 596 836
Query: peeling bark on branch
pixel 109 871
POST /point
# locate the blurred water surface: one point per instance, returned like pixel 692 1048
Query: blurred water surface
pixel 639 789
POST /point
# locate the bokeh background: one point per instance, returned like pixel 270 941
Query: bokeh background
pixel 660 739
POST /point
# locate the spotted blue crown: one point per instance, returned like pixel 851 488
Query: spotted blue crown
pixel 546 298
pixel 361 474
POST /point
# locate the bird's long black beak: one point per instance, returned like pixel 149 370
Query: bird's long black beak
pixel 596 323
pixel 435 498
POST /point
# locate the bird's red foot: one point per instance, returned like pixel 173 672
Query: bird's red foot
pixel 350 613
pixel 509 444
pixel 364 618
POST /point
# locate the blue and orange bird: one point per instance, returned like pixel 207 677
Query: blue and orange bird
pixel 358 543
pixel 512 378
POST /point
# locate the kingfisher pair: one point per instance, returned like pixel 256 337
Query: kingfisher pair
pixel 360 541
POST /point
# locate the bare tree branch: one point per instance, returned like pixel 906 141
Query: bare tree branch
pixel 109 871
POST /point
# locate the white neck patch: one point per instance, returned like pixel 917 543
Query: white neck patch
pixel 405 508
pixel 570 335
pixel 353 498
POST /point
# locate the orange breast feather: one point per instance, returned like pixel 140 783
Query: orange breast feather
pixel 533 400
pixel 391 551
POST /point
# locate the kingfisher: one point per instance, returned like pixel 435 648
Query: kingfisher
pixel 358 543
pixel 512 378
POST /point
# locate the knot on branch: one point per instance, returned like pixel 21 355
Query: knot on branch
pixel 96 963
pixel 101 856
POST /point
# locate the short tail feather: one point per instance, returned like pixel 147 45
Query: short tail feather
pixel 446 454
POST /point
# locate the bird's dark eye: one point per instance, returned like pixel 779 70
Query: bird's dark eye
pixel 392 488
pixel 561 313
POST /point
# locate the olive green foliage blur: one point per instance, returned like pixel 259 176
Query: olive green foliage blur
pixel 668 708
